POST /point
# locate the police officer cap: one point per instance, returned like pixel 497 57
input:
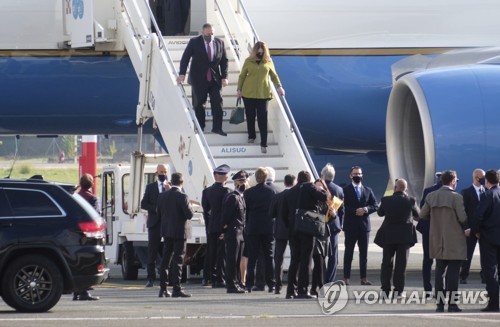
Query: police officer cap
pixel 240 175
pixel 222 170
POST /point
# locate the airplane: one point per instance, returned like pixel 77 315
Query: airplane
pixel 337 61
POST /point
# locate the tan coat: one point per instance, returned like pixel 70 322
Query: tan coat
pixel 445 209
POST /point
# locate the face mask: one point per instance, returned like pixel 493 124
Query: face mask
pixel 162 178
pixel 357 179
pixel 207 38
pixel 482 181
pixel 241 188
pixel 260 55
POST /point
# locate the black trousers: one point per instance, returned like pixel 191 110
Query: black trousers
pixel 154 250
pixel 176 13
pixel 426 263
pixel 301 248
pixel 490 263
pixel 173 257
pixel 333 259
pixel 400 251
pixel 234 249
pixel 279 251
pixel 256 244
pixel 351 238
pixel 256 107
pixel 207 270
pixel 447 272
pixel 200 93
pixel 318 273
pixel 217 252
pixel 471 246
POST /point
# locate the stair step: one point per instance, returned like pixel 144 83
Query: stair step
pixel 249 150
pixel 235 138
pixel 245 160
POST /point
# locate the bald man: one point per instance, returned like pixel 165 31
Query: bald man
pixel 396 235
pixel 149 203
pixel 471 201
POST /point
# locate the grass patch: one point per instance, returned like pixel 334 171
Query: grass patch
pixel 64 174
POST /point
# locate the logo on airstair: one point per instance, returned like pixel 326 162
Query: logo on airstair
pixel 182 147
pixel 77 9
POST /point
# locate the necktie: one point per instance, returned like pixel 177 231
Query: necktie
pixel 162 188
pixel 209 72
pixel 358 192
pixel 481 191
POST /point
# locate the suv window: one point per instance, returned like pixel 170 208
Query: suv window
pixel 39 203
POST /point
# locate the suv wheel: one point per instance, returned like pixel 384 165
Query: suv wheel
pixel 32 283
pixel 129 267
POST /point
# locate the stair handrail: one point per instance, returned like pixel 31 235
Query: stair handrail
pixel 294 128
pixel 164 49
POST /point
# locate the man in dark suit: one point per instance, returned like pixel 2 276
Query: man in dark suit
pixel 176 13
pixel 488 217
pixel 471 197
pixel 233 217
pixel 259 226
pixel 305 196
pixel 396 235
pixel 207 75
pixel 335 223
pixel 359 202
pixel 212 200
pixel 281 232
pixel 423 226
pixel 149 202
pixel 175 213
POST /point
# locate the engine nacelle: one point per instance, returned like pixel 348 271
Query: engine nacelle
pixel 443 118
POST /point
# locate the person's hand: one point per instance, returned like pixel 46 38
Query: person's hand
pixel 360 212
pixel 225 82
pixel 167 186
pixel 467 232
pixel 281 91
pixel 221 237
pixel 180 79
pixel 238 94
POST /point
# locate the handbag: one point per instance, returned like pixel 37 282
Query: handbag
pixel 309 222
pixel 238 114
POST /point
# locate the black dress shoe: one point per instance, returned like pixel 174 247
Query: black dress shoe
pixel 180 294
pixel 150 283
pixel 440 308
pixel 258 288
pixel 277 290
pixel 86 296
pixel 219 131
pixel 75 296
pixel 291 295
pixel 271 289
pixel 236 290
pixel 313 293
pixel 205 282
pixel 164 293
pixel 305 296
pixel 454 308
pixel 365 282
pixel 491 308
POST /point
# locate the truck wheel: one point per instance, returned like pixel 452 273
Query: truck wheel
pixel 32 283
pixel 129 269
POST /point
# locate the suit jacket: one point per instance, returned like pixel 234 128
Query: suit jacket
pixel 471 202
pixel 423 225
pixel 309 194
pixel 175 213
pixel 336 224
pixel 445 209
pixel 281 231
pixel 258 201
pixel 397 228
pixel 197 53
pixel 488 215
pixel 233 215
pixel 211 201
pixel 353 223
pixel 149 202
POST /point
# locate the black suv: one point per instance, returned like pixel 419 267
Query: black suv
pixel 51 242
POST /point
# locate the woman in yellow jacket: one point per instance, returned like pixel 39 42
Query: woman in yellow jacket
pixel 255 88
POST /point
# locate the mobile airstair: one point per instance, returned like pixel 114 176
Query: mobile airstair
pixel 194 153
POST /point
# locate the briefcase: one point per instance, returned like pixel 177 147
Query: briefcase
pixel 310 222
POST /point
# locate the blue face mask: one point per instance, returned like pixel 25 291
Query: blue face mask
pixel 482 181
pixel 162 178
